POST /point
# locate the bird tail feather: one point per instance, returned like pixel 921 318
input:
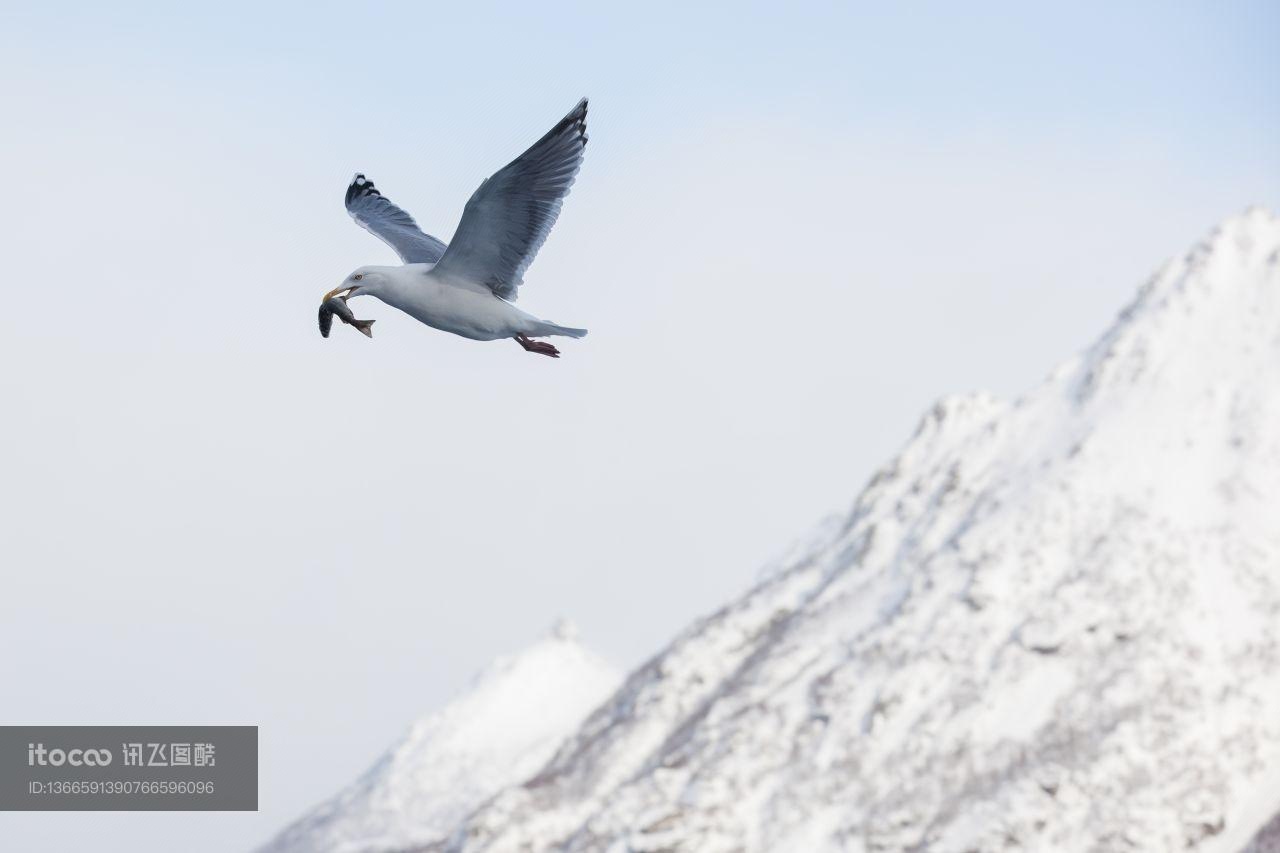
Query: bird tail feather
pixel 566 331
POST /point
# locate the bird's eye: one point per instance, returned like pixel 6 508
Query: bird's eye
pixel 358 276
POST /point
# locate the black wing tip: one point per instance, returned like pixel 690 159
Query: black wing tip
pixel 359 187
pixel 577 118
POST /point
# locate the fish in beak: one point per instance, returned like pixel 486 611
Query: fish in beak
pixel 337 306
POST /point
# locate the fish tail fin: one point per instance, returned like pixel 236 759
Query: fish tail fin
pixel 365 327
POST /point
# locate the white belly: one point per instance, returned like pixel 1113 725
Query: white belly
pixel 470 313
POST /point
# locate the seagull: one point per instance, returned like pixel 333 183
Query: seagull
pixel 468 286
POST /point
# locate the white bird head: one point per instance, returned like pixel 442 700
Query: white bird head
pixel 366 281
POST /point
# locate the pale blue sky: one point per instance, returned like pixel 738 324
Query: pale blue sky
pixel 795 228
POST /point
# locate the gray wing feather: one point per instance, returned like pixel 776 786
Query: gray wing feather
pixel 375 213
pixel 509 217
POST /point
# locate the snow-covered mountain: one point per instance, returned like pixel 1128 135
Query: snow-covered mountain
pixel 498 733
pixel 1051 624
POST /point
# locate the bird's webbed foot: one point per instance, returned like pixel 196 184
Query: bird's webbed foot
pixel 540 347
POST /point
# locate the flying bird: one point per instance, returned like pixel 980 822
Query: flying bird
pixel 468 286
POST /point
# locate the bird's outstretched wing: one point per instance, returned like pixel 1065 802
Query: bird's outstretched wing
pixel 509 216
pixel 376 214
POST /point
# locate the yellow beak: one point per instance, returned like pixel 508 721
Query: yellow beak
pixel 334 292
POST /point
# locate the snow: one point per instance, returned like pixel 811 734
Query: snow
pixel 1048 624
pixel 496 734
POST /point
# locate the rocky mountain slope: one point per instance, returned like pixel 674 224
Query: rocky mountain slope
pixel 1050 624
